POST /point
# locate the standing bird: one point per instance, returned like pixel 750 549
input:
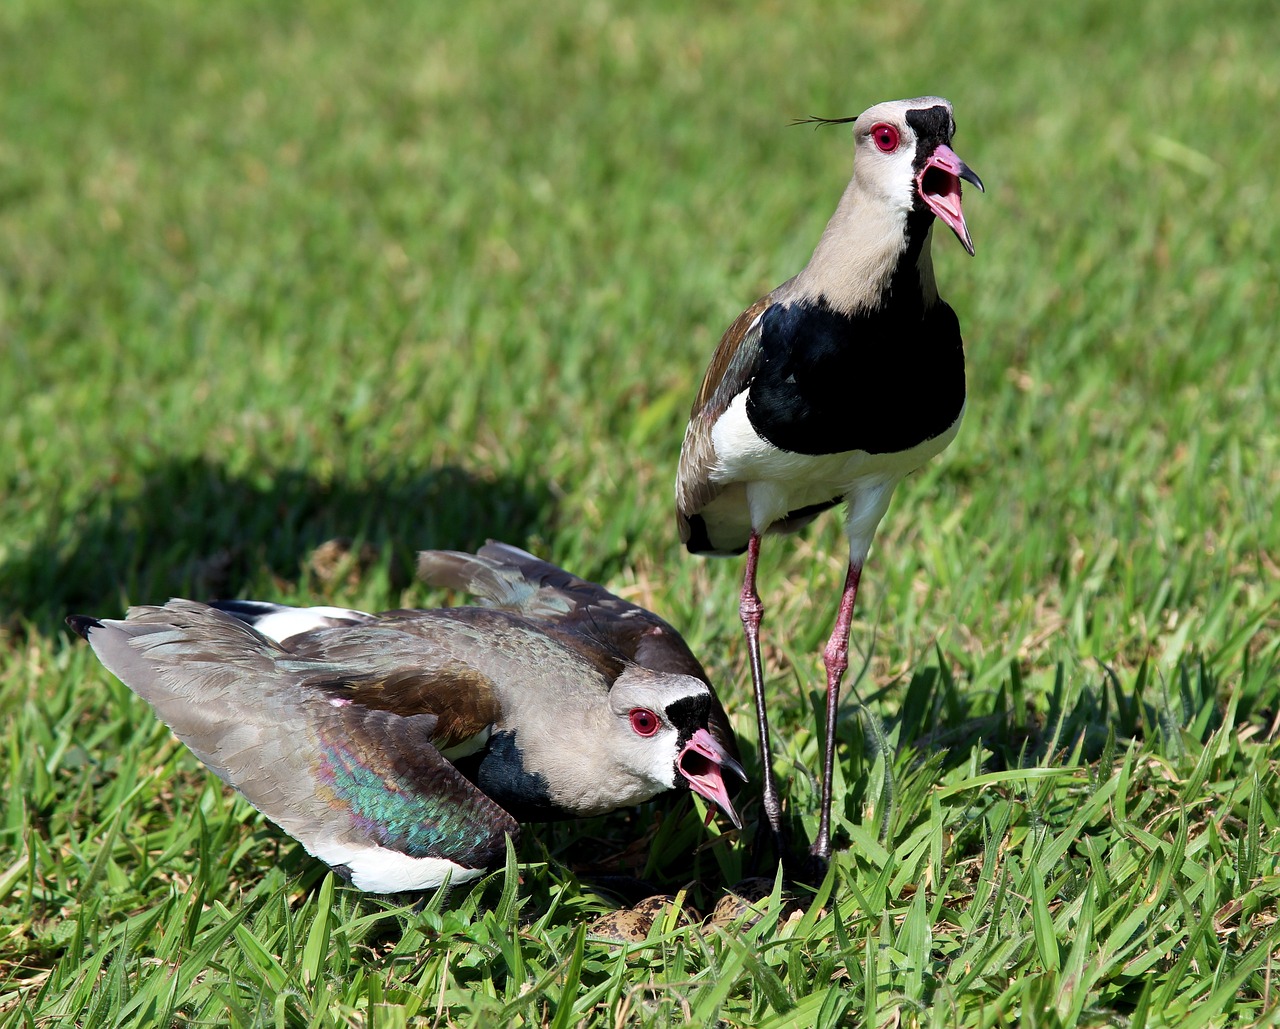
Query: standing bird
pixel 835 386
pixel 403 748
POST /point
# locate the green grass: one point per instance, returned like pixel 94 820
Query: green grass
pixel 417 275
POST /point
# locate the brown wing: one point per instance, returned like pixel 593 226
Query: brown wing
pixel 461 699
pixel 724 379
pixel 508 578
pixel 584 615
pixel 411 663
pixel 375 775
pixel 731 368
pixel 327 770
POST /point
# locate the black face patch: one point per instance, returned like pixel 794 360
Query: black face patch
pixel 689 714
pixel 932 126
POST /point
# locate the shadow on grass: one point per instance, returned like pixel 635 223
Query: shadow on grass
pixel 1096 714
pixel 194 529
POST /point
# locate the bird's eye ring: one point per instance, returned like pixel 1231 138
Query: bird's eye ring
pixel 644 721
pixel 885 137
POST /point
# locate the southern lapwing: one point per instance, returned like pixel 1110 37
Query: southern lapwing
pixel 834 386
pixel 403 748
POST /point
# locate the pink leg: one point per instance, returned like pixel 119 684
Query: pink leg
pixel 836 658
pixel 751 612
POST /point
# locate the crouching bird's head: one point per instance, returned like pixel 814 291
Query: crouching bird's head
pixel 663 732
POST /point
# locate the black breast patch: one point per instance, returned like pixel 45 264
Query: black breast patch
pixel 882 381
pixel 688 714
pixel 498 770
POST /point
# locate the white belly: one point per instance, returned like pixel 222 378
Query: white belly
pixel 761 484
pixel 377 869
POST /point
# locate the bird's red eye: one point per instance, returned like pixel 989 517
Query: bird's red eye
pixel 644 721
pixel 885 136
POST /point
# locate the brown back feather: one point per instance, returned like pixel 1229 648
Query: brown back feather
pixel 731 368
pixel 719 387
pixel 461 698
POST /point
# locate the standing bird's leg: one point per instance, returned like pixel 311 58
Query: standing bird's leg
pixel 751 611
pixel 836 658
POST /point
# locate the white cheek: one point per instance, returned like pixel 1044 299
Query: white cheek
pixel 903 184
pixel 663 761
pixel 889 175
pixel 653 761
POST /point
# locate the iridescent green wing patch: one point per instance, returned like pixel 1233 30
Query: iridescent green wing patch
pixel 401 793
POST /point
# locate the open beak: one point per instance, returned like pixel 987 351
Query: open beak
pixel 701 762
pixel 939 187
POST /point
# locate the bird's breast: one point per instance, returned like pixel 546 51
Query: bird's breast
pixel 762 484
pixel 881 382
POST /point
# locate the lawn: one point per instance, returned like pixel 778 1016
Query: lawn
pixel 416 275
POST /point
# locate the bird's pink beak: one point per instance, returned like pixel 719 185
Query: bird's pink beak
pixel 939 186
pixel 701 762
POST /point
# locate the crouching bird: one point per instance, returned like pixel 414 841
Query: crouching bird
pixel 403 748
pixel 834 386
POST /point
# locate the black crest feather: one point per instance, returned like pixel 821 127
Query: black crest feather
pixel 816 121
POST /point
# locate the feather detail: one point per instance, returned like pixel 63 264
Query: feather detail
pixel 461 698
pixel 402 747
pixel 332 775
pixel 581 614
pixel 732 366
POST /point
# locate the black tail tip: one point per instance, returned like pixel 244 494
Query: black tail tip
pixel 81 624
pixel 697 540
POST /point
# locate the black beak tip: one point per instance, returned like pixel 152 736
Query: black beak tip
pixel 81 624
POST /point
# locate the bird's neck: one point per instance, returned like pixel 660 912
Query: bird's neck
pixel 867 254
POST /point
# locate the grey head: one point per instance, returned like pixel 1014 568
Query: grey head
pixel 903 160
pixel 649 735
